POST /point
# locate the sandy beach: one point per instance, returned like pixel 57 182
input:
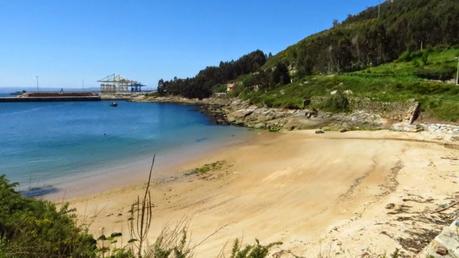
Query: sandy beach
pixel 334 194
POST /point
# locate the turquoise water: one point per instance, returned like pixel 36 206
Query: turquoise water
pixel 40 142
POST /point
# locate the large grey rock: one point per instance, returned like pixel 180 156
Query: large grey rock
pixel 407 127
pixel 239 115
pixel 445 245
pixel 259 126
pixel 303 123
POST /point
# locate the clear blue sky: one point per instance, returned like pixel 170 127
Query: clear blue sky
pixel 65 42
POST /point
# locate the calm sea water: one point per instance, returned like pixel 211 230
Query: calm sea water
pixel 42 142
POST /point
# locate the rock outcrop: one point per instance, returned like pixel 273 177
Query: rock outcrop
pixel 242 113
pixel 367 114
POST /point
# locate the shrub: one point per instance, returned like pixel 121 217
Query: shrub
pixel 408 56
pixel 337 102
pixel 280 75
pixel 437 73
pixel 252 251
pixel 36 228
pixel 171 243
pixel 219 88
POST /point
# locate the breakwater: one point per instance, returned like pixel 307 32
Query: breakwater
pixel 53 96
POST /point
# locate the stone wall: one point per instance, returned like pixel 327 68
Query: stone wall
pixel 395 111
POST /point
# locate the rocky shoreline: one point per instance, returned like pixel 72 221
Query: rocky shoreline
pixel 237 112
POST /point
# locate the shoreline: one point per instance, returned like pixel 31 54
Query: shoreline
pixel 309 189
pixel 133 171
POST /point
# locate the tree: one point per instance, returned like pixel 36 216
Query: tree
pixel 280 74
pixel 335 23
pixel 362 40
pixel 202 84
pixel 161 88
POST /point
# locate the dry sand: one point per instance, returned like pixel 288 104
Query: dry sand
pixel 335 194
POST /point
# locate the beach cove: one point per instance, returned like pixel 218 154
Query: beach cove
pixel 333 194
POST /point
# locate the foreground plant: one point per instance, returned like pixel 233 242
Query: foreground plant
pixel 256 250
pixel 36 228
pixel 172 243
pixel 141 216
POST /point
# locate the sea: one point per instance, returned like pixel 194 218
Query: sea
pixel 47 144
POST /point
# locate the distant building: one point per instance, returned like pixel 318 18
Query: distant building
pixel 118 84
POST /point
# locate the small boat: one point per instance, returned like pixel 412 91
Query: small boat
pixel 114 104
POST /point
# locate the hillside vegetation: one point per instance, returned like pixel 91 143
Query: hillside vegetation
pixel 375 36
pixel 414 76
pixel 400 50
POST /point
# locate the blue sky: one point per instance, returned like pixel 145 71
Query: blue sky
pixel 65 42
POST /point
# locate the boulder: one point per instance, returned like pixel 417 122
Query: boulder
pixel 259 126
pixel 406 127
pixel 445 245
pixel 241 113
pixel 441 250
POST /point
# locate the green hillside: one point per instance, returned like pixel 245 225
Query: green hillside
pixel 411 77
pixel 401 50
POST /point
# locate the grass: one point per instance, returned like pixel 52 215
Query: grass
pixel 392 82
pixel 256 250
pixel 410 62
pixel 207 168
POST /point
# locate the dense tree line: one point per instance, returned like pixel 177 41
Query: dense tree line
pixel 202 84
pixel 268 78
pixel 377 35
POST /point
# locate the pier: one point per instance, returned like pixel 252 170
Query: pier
pixel 53 96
